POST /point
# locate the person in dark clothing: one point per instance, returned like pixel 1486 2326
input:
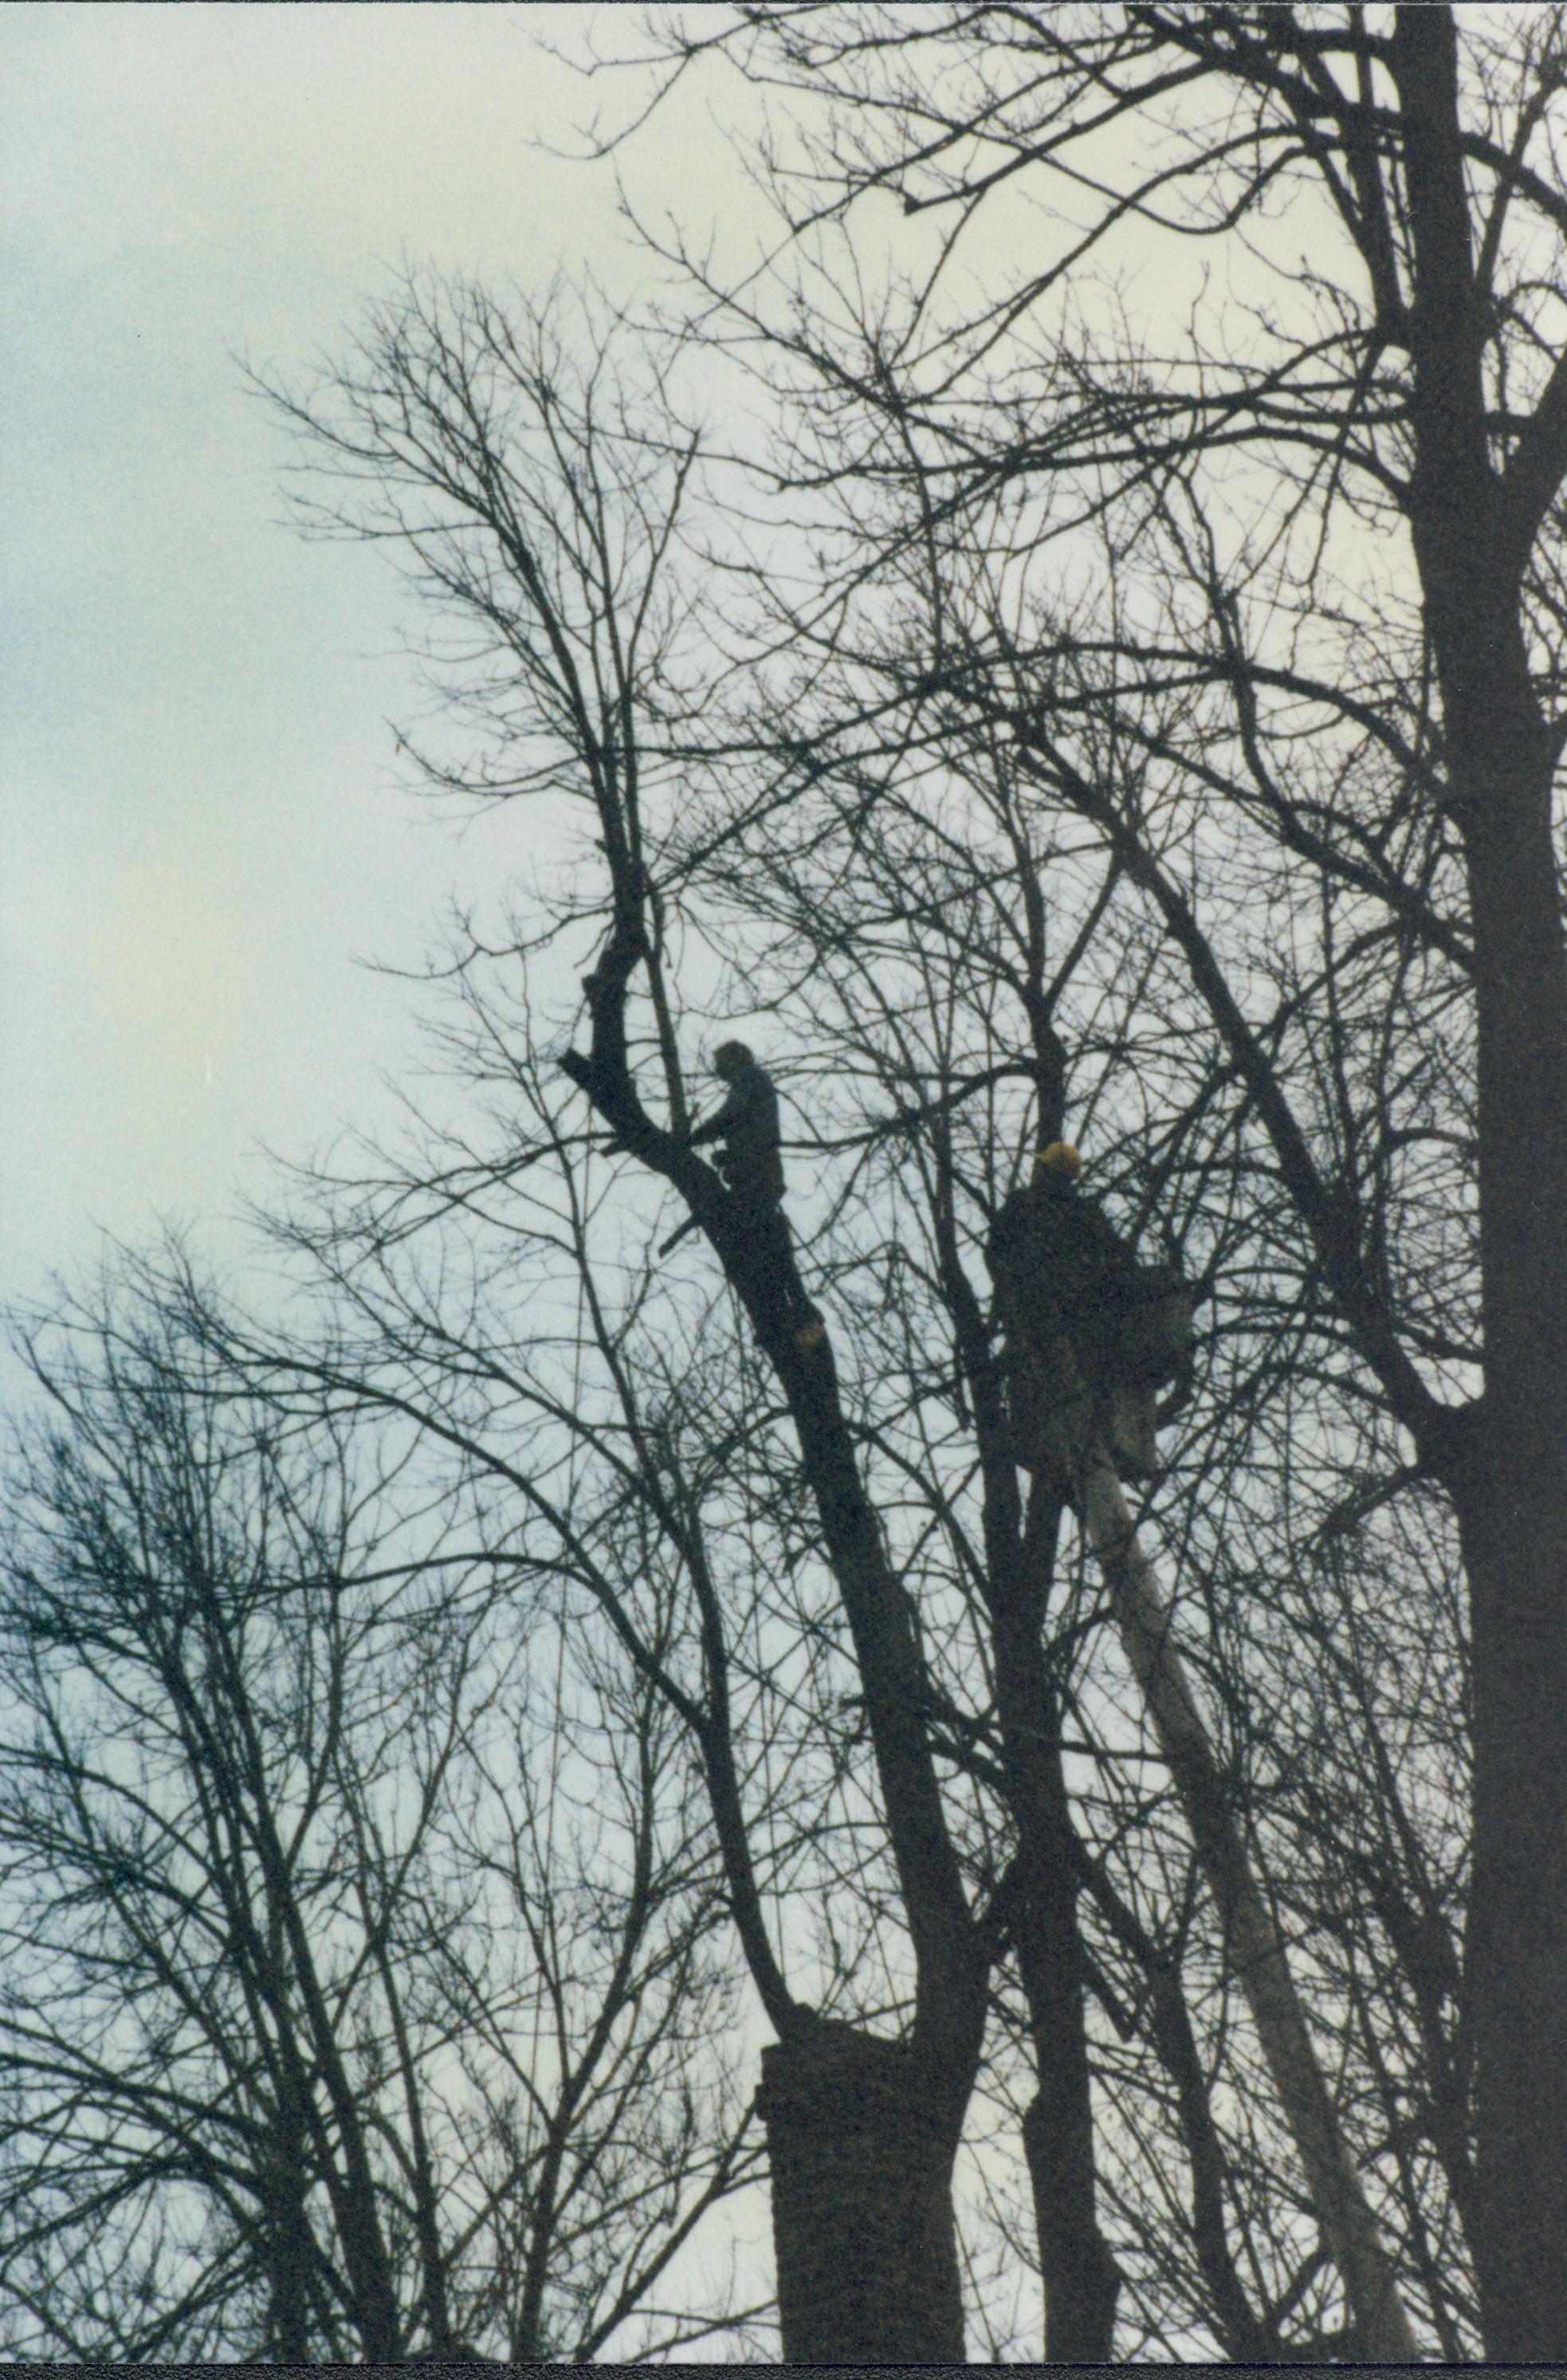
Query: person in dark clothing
pixel 748 1125
pixel 751 1166
pixel 1091 1335
pixel 749 1162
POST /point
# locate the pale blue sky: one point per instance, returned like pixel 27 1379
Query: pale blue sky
pixel 200 819
pixel 202 825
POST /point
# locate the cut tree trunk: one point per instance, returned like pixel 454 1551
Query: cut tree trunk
pixel 862 2140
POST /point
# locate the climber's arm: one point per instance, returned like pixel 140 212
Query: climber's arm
pixel 722 1121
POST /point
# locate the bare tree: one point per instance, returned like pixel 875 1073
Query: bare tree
pixel 943 878
pixel 549 521
pixel 930 1036
pixel 1391 738
pixel 356 1953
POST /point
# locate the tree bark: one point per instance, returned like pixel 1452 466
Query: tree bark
pixel 1472 529
pixel 862 2136
pixel 285 2238
pixel 862 2132
pixel 1081 2281
pixel 1261 1968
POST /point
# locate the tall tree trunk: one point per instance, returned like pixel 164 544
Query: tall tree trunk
pixel 1509 1486
pixel 1382 2328
pixel 1081 2282
pixel 862 2132
pixel 861 2135
pixel 1515 1981
pixel 285 2238
pixel 1472 529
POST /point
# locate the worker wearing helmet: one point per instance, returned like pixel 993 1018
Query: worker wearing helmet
pixel 1090 1334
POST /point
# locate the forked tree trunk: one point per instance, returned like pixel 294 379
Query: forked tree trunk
pixel 862 2139
pixel 1256 1953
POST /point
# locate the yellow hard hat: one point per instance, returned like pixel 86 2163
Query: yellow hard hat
pixel 1060 1158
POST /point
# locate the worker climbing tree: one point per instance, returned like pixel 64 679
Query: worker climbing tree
pixel 748 1125
pixel 1092 1336
pixel 752 1168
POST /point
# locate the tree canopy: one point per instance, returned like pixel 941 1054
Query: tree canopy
pixel 1029 708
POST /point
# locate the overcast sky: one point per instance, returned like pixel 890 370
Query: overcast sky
pixel 202 824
